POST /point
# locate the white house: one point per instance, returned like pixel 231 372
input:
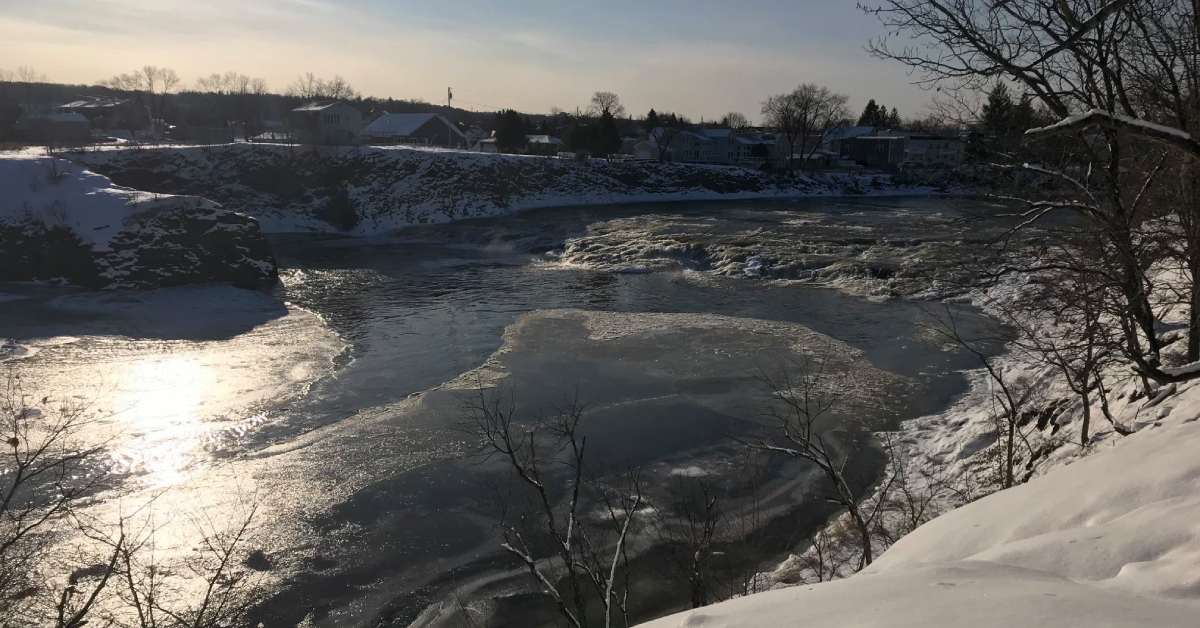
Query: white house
pixel 414 128
pixel 326 123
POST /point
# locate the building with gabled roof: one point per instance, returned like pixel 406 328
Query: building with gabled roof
pixel 325 122
pixel 414 128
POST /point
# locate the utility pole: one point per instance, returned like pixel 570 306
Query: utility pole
pixel 449 133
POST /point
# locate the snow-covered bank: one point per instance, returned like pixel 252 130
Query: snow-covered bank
pixel 372 190
pixel 1110 540
pixel 59 220
pixel 1102 535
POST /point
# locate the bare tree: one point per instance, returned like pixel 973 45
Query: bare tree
pixel 311 87
pixel 27 74
pixel 61 567
pixel 228 587
pixel 804 117
pixel 1010 397
pixel 593 558
pixel 690 528
pixel 805 401
pixel 1121 76
pixel 44 471
pixel 735 120
pixel 606 103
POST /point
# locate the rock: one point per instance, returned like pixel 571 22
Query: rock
pixel 189 242
pixel 173 244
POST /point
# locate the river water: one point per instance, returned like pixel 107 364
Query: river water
pixel 336 404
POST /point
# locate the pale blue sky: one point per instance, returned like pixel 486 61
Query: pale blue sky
pixel 701 57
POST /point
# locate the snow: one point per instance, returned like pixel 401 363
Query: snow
pixel 1107 535
pixel 1185 369
pixel 87 203
pixel 392 187
pixel 1078 118
pixel 978 594
pixel 1111 540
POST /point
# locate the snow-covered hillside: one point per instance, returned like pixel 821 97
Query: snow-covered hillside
pixel 369 190
pixel 59 220
pixel 1112 539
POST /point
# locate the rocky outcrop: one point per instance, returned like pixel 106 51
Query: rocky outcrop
pixel 59 222
pixel 188 244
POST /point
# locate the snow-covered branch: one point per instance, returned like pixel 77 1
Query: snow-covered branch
pixel 1098 117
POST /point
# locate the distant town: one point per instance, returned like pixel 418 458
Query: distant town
pixel 809 129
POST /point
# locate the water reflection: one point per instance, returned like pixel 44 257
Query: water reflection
pixel 159 404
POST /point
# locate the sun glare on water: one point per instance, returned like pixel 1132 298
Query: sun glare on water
pixel 160 408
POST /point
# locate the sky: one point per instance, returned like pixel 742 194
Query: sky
pixel 699 57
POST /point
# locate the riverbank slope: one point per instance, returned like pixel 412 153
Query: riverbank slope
pixel 373 190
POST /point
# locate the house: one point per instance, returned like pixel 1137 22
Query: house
pixel 325 122
pixel 934 151
pixel 543 145
pixel 721 147
pixel 54 128
pixel 832 141
pixel 486 145
pixel 881 152
pixel 107 113
pixel 753 149
pixel 645 150
pixel 414 128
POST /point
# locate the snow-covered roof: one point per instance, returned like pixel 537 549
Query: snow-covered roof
pixel 317 105
pixel 404 124
pixel 877 138
pixel 848 132
pixel 542 139
pixel 717 133
pixel 94 102
pixel 698 136
pixel 752 139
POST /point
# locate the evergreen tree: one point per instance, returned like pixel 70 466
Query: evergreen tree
pixel 996 118
pixel 652 121
pixel 607 137
pixel 894 120
pixel 996 131
pixel 870 114
pixel 510 131
pixel 580 136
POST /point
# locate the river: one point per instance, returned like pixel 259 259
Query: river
pixel 335 405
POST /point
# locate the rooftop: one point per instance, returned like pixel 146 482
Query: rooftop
pixel 403 124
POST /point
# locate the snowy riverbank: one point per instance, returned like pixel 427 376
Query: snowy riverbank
pixel 373 190
pixel 61 221
pixel 1102 535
